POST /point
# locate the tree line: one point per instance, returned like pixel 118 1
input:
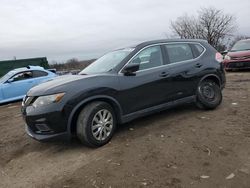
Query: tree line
pixel 71 64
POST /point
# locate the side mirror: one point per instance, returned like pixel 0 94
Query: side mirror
pixel 10 80
pixel 130 69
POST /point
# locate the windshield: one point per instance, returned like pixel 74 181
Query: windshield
pixel 6 76
pixel 241 46
pixel 107 62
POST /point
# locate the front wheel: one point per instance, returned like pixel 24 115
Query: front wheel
pixel 96 124
pixel 209 95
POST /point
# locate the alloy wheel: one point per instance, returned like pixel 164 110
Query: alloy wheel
pixel 102 124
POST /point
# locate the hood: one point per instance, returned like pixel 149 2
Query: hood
pixel 55 85
pixel 245 53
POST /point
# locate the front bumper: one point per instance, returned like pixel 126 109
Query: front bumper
pixel 44 137
pixel 45 123
pixel 233 64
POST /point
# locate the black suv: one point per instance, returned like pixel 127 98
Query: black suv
pixel 123 85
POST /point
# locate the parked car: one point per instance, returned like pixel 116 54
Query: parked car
pixel 15 84
pixel 120 86
pixel 238 57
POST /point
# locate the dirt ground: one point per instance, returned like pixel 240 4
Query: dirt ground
pixel 182 147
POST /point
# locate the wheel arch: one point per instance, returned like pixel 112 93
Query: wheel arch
pixel 71 125
pixel 213 77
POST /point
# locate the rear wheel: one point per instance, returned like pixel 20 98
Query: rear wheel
pixel 96 124
pixel 209 95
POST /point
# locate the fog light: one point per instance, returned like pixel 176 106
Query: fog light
pixel 42 127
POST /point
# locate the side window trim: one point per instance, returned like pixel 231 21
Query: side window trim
pixel 149 68
pixel 20 73
pixel 170 64
pixel 186 61
pixel 176 53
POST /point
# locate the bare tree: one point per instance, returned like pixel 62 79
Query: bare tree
pixel 187 27
pixel 211 24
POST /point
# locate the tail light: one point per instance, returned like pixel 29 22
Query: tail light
pixel 219 57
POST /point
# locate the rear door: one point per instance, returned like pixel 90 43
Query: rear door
pixel 185 67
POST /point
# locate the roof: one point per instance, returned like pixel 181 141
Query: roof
pixel 146 43
pixel 169 40
pixel 28 68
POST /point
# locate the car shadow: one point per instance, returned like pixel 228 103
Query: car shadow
pixel 147 120
pixel 122 130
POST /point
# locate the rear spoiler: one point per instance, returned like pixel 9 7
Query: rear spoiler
pixel 52 70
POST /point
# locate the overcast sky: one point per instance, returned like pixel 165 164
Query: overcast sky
pixel 63 29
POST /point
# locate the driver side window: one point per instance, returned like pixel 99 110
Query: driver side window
pixel 22 76
pixel 149 58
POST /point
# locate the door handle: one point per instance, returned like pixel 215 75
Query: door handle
pixel 164 74
pixel 198 65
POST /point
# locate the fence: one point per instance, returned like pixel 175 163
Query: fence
pixel 6 66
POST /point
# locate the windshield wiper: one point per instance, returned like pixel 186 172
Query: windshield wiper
pixel 110 70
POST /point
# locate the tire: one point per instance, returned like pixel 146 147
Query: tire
pixel 96 124
pixel 199 105
pixel 209 95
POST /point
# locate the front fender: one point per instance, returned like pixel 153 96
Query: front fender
pixel 105 98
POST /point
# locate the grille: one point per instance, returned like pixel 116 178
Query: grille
pixel 240 58
pixel 239 65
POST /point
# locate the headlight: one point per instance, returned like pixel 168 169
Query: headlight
pixel 227 57
pixel 49 99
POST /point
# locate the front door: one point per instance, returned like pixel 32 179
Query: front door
pixel 149 86
pixel 18 85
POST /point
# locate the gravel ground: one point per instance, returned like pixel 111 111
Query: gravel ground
pixel 181 147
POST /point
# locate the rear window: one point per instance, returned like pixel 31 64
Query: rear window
pixel 197 50
pixel 38 73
